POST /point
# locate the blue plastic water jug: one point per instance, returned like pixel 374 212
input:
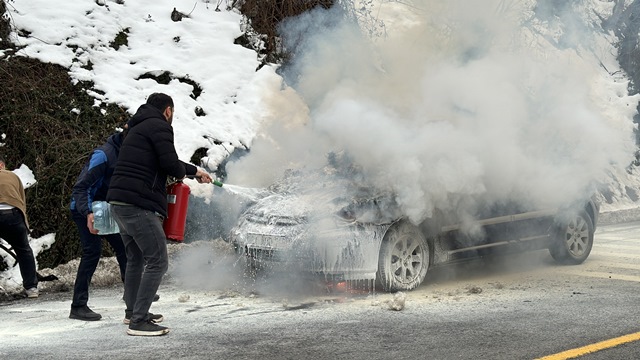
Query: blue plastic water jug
pixel 102 219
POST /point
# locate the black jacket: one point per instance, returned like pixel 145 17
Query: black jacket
pixel 146 157
pixel 93 182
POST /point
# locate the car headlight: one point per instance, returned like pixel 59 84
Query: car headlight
pixel 347 214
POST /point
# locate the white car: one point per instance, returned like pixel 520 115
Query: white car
pixel 326 223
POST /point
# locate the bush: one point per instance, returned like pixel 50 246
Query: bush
pixel 265 16
pixel 51 126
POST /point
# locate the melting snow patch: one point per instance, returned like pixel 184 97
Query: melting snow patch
pixel 398 301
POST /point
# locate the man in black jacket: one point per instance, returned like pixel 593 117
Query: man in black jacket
pixel 139 198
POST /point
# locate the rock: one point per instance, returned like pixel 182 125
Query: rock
pixel 398 301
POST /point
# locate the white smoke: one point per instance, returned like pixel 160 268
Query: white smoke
pixel 462 100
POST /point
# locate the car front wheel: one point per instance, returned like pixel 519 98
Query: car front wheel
pixel 404 258
pixel 573 239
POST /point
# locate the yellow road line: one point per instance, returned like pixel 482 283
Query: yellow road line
pixel 602 345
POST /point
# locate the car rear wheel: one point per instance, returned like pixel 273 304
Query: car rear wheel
pixel 573 239
pixel 404 258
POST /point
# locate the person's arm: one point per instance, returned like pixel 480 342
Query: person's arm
pixel 23 198
pixel 200 175
pixel 168 157
pixel 190 169
pixel 162 140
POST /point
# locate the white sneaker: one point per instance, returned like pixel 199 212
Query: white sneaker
pixel 32 293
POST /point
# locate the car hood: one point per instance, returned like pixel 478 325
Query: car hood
pixel 303 197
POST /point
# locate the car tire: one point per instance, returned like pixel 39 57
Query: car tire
pixel 573 239
pixel 404 258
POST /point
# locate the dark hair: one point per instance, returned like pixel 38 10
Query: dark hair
pixel 160 101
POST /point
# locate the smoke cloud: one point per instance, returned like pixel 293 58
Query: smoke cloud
pixel 462 104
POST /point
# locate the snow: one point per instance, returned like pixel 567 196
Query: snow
pixel 435 109
pixel 204 53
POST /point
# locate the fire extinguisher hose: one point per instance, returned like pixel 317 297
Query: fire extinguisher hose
pixel 214 182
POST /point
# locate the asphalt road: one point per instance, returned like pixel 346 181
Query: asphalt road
pixel 521 307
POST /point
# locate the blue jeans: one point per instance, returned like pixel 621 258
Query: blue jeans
pixel 91 251
pixel 14 231
pixel 147 260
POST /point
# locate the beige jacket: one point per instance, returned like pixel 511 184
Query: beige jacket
pixel 12 192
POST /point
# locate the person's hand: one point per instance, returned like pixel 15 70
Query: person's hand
pixel 203 177
pixel 90 224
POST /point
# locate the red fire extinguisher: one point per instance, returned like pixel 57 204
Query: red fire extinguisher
pixel 177 205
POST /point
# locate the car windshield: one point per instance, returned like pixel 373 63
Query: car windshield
pixel 337 189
